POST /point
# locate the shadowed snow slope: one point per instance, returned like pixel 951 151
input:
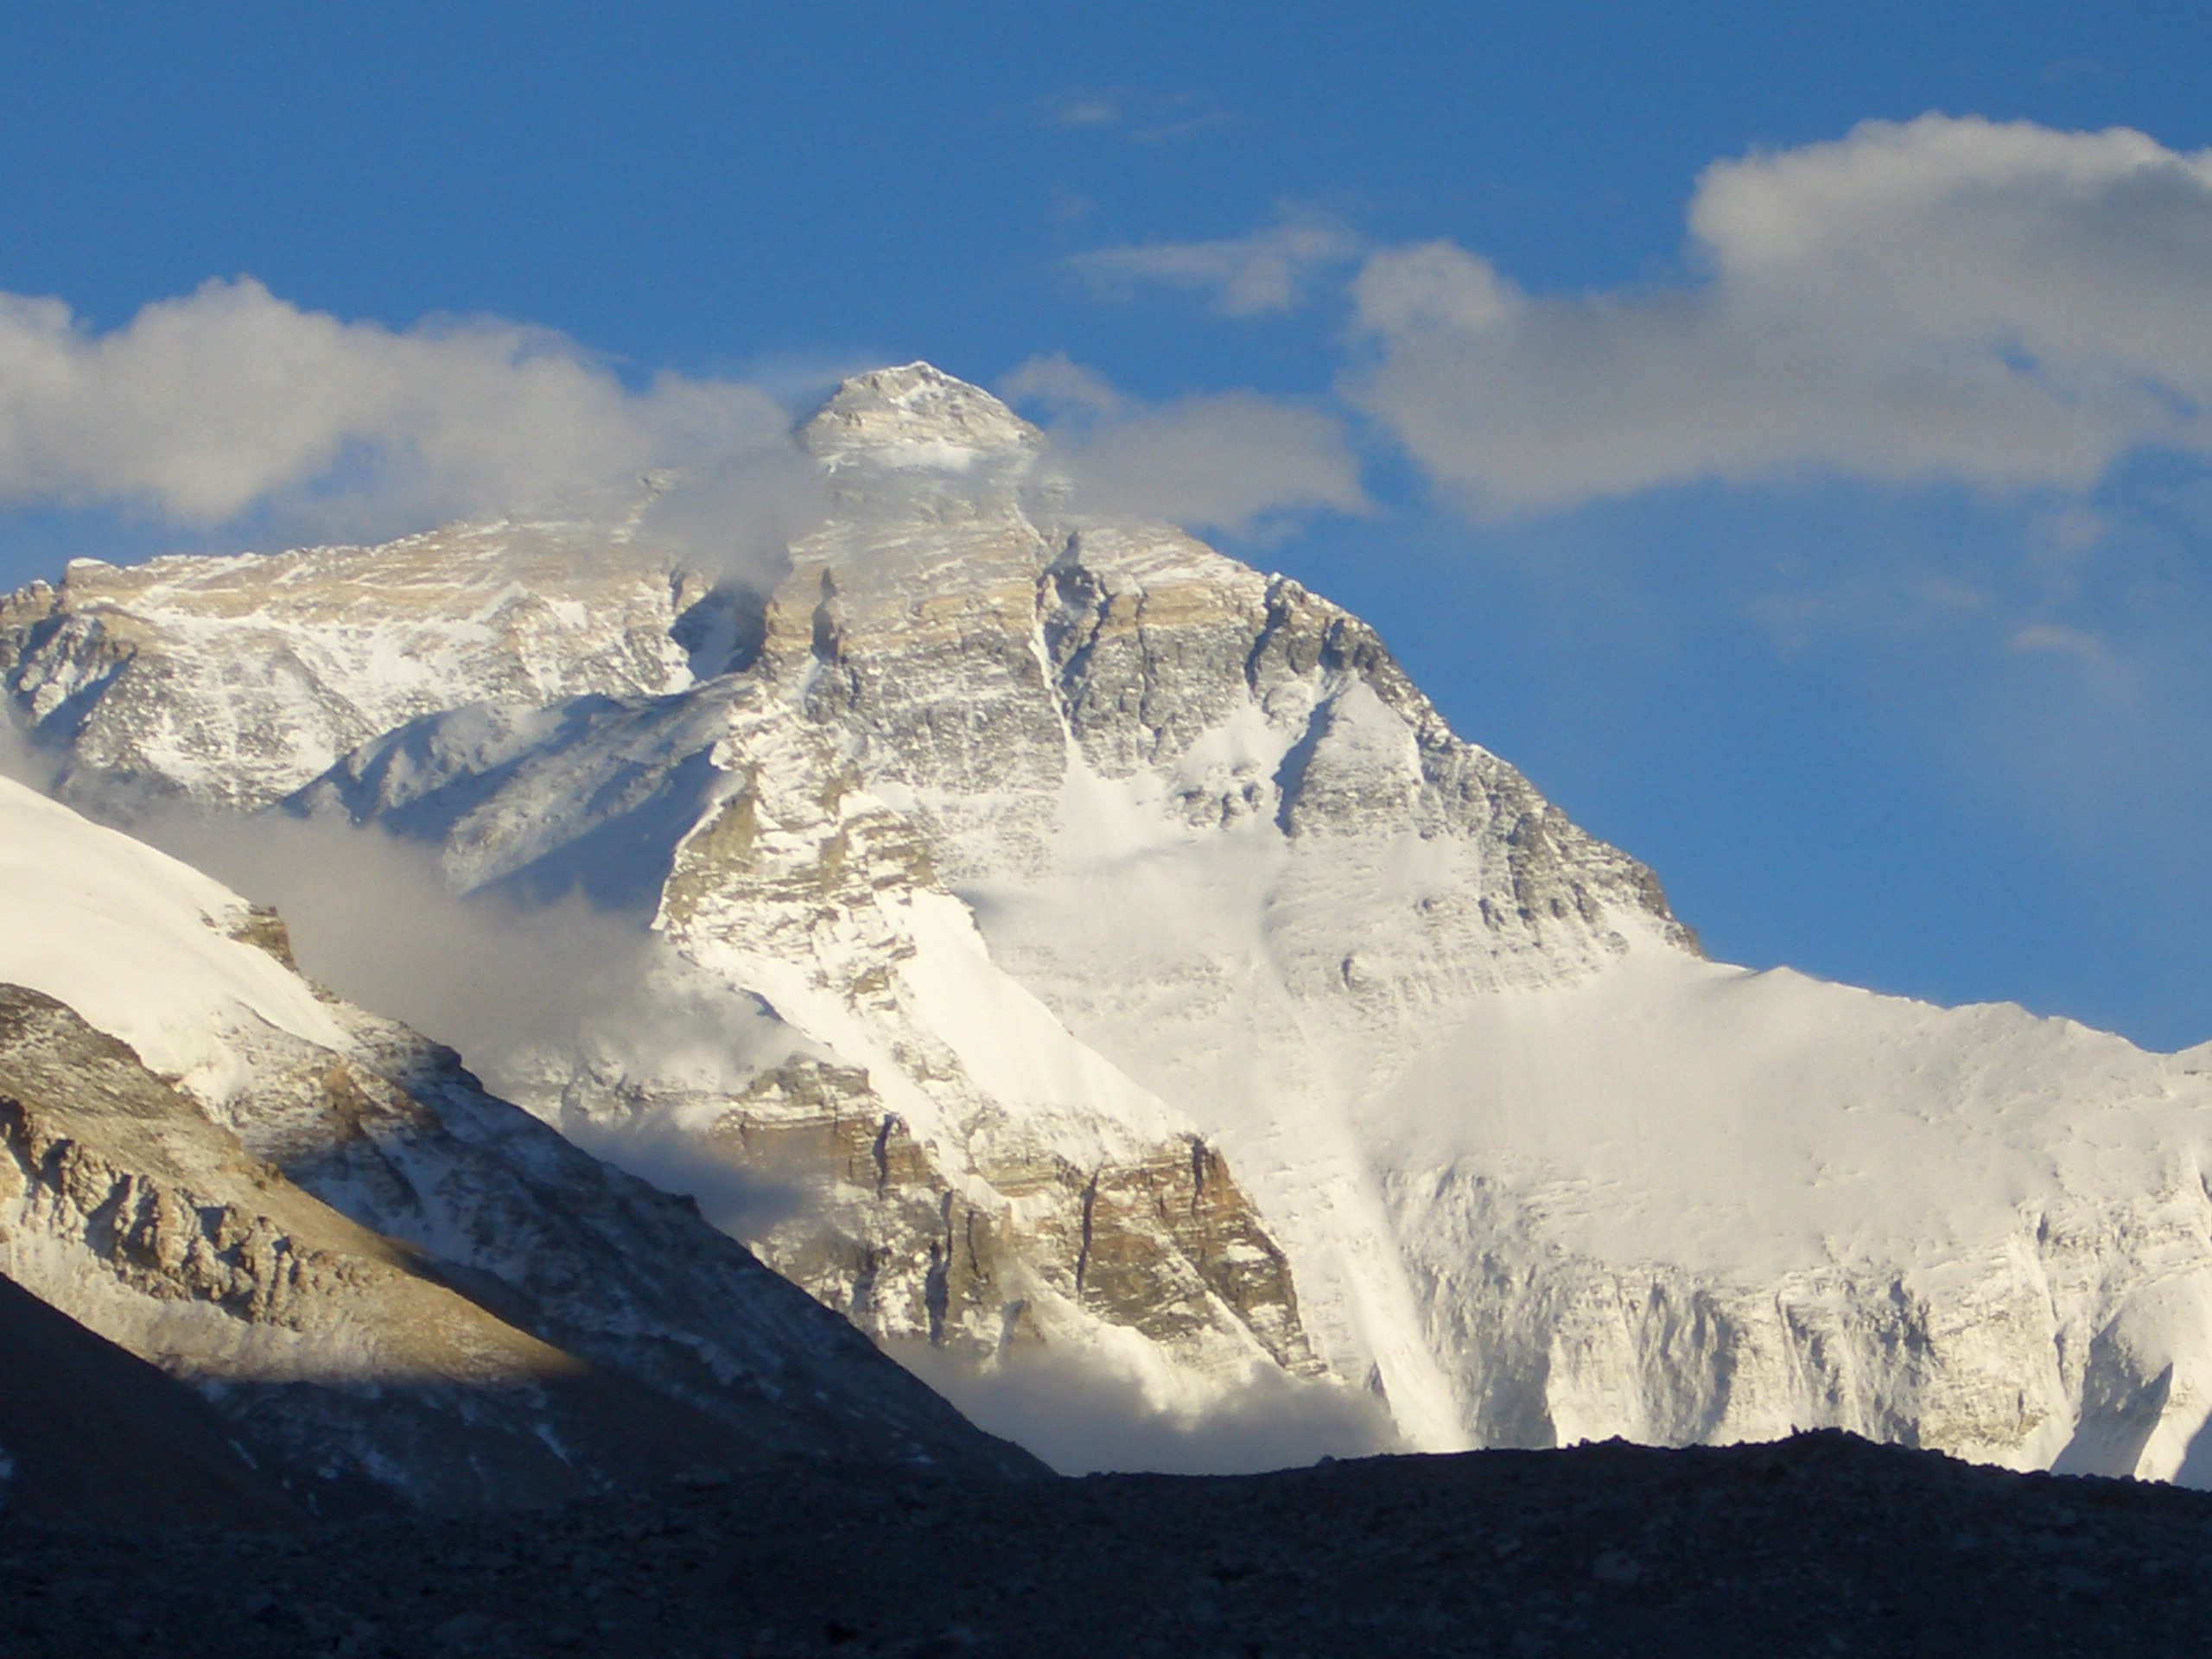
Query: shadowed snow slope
pixel 1135 972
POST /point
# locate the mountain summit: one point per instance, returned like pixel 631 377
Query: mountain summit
pixel 1139 973
pixel 917 416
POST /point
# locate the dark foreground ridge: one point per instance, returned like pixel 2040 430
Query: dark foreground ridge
pixel 93 1436
pixel 1820 1545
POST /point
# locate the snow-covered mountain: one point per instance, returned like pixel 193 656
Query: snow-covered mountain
pixel 1136 967
pixel 389 1283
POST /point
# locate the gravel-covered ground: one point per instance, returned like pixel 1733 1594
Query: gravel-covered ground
pixel 1820 1545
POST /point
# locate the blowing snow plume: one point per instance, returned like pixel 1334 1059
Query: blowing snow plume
pixel 504 977
pixel 371 917
pixel 1091 1410
pixel 1236 461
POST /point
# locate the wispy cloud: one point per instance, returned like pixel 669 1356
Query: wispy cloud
pixel 2074 72
pixel 1245 275
pixel 228 400
pixel 1142 118
pixel 2054 638
pixel 522 989
pixel 1083 1411
pixel 1233 462
pixel 2001 304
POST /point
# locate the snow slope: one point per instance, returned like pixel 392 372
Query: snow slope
pixel 146 949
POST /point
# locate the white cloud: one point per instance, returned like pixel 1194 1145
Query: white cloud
pixel 2001 304
pixel 229 399
pixel 1063 388
pixel 2056 638
pixel 1081 1412
pixel 1081 108
pixel 1234 462
pixel 375 918
pixel 1247 276
pixel 1144 117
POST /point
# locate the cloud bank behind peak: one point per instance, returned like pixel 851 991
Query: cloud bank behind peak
pixel 1236 461
pixel 1945 299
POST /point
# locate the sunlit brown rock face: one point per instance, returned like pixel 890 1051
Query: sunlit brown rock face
pixel 1166 1245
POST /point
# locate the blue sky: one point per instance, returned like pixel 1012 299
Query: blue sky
pixel 1846 561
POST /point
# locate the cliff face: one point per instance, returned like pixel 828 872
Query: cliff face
pixel 1134 964
pixel 1165 1244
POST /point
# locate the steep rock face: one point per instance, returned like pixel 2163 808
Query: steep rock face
pixel 1164 1244
pixel 739 807
pixel 949 699
pixel 1709 1204
pixel 392 1283
pixel 1144 967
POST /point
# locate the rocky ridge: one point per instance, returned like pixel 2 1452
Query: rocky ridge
pixel 391 1286
pixel 238 680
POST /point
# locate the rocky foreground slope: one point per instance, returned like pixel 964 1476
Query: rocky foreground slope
pixel 1135 968
pixel 1820 1545
pixel 384 1284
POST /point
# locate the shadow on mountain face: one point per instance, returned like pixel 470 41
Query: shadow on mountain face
pixel 622 782
pixel 444 1448
pixel 586 1334
pixel 1823 1544
pixel 91 1436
